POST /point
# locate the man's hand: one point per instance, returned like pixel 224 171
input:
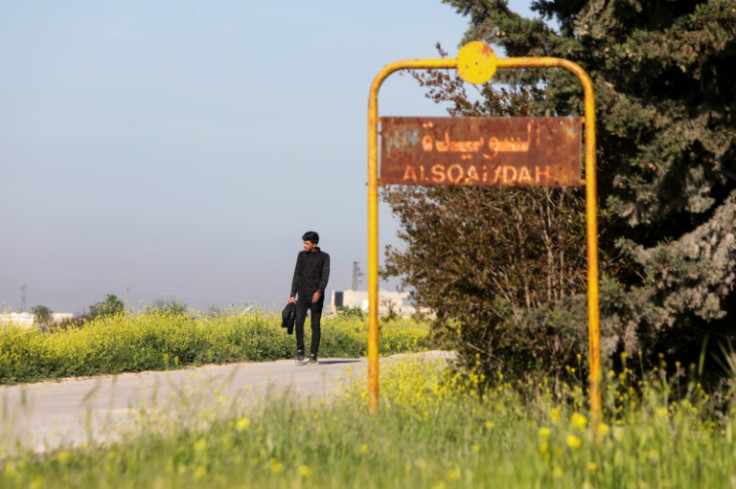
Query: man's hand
pixel 315 297
pixel 292 300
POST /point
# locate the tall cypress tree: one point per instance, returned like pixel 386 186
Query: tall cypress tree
pixel 664 73
pixel 665 82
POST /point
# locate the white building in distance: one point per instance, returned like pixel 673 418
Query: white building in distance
pixel 28 319
pixel 388 301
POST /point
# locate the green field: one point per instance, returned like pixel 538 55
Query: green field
pixel 432 430
pixel 134 342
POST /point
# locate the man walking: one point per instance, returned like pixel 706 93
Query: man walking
pixel 308 291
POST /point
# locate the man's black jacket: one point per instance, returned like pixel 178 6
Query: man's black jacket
pixel 288 316
pixel 311 273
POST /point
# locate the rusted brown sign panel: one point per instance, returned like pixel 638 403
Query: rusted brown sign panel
pixel 515 151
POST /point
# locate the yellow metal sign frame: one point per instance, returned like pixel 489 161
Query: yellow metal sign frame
pixel 476 63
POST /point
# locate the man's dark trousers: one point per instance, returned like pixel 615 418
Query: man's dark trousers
pixel 304 302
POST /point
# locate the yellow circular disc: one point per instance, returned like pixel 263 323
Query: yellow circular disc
pixel 476 62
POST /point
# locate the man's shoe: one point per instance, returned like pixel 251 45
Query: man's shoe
pixel 312 359
pixel 299 356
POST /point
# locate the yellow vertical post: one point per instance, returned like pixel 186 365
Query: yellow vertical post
pixel 373 247
pixel 591 218
pixel 591 213
pixel 373 212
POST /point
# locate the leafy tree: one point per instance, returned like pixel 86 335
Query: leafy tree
pixel 350 312
pixel 42 314
pixel 172 306
pixel 481 257
pixel 665 98
pixel 216 310
pixel 109 307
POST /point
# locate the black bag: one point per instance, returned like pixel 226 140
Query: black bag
pixel 288 317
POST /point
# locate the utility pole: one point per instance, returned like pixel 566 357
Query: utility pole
pixel 23 290
pixel 356 275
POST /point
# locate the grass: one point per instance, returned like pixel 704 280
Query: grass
pixel 134 342
pixel 433 430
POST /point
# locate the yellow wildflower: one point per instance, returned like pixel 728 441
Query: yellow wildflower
pixel 554 415
pixel 242 424
pixel 276 466
pixel 573 441
pixel 578 421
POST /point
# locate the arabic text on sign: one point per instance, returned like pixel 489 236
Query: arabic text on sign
pixel 481 151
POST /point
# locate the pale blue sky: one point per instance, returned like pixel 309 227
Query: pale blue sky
pixel 182 147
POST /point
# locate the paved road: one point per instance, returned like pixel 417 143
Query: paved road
pixel 47 415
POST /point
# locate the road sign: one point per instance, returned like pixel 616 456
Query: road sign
pixel 508 151
pixel 476 63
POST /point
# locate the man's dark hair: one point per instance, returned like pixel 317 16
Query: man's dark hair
pixel 311 236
